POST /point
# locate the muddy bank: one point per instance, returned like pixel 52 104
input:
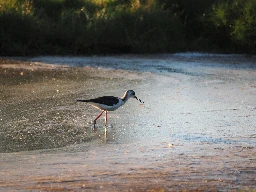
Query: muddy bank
pixel 137 167
pixel 194 132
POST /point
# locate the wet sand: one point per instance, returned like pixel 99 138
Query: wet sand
pixel 194 132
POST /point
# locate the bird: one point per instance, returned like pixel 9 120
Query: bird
pixel 109 103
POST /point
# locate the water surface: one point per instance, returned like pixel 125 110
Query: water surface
pixel 196 130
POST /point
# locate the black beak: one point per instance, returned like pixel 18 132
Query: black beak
pixel 138 99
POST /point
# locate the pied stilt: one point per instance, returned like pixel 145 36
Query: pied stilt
pixel 109 103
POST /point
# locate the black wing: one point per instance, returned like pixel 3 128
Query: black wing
pixel 106 100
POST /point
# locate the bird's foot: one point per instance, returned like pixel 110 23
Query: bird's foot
pixel 94 125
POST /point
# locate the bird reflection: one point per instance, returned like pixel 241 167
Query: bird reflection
pixel 102 136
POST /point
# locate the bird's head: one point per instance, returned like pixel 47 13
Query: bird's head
pixel 131 94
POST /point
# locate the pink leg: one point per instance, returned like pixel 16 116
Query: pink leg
pixel 97 118
pixel 106 118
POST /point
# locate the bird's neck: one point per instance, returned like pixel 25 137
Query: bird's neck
pixel 124 98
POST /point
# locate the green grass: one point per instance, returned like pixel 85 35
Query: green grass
pixel 78 27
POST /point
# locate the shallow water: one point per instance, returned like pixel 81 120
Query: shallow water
pixel 196 130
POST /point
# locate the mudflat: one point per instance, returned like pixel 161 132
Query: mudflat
pixel 195 132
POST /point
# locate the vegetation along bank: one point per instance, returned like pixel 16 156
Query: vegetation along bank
pixel 81 27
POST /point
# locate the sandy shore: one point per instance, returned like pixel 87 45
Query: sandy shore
pixel 194 133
